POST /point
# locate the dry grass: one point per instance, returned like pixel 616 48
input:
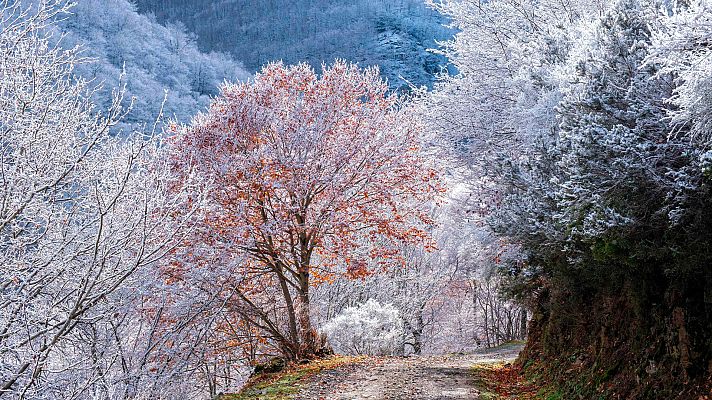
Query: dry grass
pixel 283 385
pixel 503 381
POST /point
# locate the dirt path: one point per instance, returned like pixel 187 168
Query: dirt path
pixel 412 378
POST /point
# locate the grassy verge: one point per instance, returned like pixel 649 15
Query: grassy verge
pixel 283 385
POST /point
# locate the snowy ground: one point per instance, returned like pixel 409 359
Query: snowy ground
pixel 446 377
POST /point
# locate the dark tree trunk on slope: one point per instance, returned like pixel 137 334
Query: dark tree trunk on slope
pixel 418 332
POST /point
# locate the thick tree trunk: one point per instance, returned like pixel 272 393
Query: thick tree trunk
pixel 309 343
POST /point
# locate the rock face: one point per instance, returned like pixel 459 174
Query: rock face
pixel 393 34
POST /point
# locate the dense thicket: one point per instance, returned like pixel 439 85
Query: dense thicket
pixel 604 181
pixel 391 34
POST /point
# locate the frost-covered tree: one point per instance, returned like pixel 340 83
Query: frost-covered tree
pixel 313 176
pixel 446 297
pixel 612 168
pixel 507 54
pixel 681 46
pixel 81 212
pixel 612 127
pixel 602 183
pixel 370 328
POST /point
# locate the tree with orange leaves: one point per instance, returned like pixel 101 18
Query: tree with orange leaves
pixel 310 176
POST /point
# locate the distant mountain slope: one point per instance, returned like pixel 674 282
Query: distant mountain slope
pixel 155 57
pixel 394 34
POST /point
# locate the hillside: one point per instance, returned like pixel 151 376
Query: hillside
pixel 394 34
pixel 157 60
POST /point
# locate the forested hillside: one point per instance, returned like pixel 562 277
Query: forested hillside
pixel 393 34
pixel 153 61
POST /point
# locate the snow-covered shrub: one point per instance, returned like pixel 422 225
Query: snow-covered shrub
pixel 369 328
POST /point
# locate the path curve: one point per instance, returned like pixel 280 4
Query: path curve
pixel 447 377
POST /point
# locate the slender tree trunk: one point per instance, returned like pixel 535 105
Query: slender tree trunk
pixel 418 333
